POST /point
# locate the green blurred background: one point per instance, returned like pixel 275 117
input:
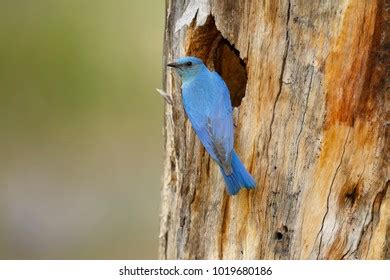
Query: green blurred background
pixel 80 128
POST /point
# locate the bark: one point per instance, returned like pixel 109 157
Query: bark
pixel 309 81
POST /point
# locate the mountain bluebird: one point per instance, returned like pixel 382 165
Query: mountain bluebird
pixel 207 103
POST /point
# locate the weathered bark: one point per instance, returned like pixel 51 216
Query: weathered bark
pixel 310 80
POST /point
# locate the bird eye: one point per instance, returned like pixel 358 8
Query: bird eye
pixel 189 63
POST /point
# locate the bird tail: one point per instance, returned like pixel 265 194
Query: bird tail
pixel 239 178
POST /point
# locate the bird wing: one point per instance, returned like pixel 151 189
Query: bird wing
pixel 214 124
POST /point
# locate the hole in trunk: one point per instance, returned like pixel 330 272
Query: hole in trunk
pixel 207 43
pixel 278 235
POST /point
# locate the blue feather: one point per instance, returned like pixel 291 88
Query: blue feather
pixel 206 100
pixel 240 177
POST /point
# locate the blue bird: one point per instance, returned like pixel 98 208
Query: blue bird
pixel 207 103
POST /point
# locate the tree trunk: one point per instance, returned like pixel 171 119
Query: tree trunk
pixel 309 81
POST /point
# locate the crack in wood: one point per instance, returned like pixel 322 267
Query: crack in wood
pixel 166 236
pixel 379 197
pixel 364 228
pixel 223 226
pixel 346 253
pixel 329 193
pixel 284 61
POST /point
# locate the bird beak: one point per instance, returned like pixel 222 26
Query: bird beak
pixel 173 65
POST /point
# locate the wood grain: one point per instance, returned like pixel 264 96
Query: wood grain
pixel 309 81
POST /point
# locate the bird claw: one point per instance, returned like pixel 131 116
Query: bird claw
pixel 165 95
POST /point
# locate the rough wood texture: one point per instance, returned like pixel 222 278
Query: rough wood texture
pixel 311 129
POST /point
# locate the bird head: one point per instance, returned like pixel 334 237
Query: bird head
pixel 187 67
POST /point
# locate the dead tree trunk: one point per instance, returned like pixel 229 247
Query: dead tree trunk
pixel 309 81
